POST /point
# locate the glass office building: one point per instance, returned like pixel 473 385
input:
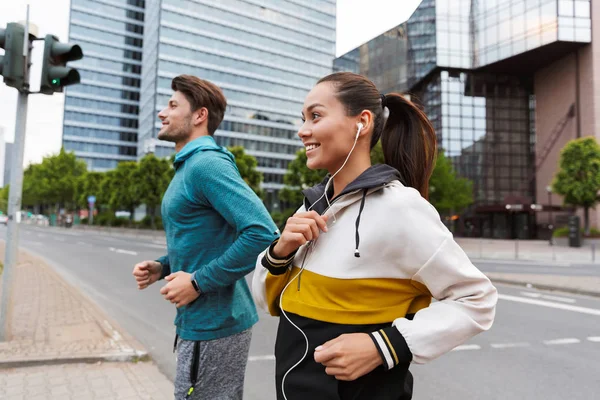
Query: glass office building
pixel 101 113
pixel 472 65
pixel 265 55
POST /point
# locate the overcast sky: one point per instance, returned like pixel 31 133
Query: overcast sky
pixel 357 22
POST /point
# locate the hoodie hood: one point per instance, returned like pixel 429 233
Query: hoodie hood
pixel 374 176
pixel 203 143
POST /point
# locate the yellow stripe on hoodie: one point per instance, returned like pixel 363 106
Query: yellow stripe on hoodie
pixel 346 301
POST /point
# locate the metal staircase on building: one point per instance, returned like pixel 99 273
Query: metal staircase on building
pixel 554 135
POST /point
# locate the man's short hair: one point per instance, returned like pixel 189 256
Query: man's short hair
pixel 200 93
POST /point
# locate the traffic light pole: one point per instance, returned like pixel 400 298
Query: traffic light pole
pixel 15 193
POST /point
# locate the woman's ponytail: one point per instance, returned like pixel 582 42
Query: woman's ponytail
pixel 409 142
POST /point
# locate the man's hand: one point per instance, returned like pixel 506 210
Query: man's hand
pixel 179 290
pixel 349 356
pixel 146 273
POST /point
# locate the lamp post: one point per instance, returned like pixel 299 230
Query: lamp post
pixel 550 224
pixel 511 209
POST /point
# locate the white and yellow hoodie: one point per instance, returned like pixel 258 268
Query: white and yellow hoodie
pixel 385 255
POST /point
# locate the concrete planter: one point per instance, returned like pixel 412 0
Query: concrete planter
pixel 564 241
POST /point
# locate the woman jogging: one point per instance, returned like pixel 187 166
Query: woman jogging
pixel 355 269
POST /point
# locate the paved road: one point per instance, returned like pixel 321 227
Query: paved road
pixel 542 346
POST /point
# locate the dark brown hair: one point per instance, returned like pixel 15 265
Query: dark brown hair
pixel 407 137
pixel 201 93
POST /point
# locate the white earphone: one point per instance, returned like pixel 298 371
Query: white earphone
pixel 360 127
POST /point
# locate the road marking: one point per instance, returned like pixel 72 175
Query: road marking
pixel 36 243
pixel 567 307
pixel 261 358
pixel 84 244
pixel 545 296
pixel 59 239
pixel 467 347
pixel 594 338
pixel 131 253
pixel 41 235
pixel 509 345
pixel 562 341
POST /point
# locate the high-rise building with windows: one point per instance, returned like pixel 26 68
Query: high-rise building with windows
pixel 101 113
pixel 265 55
pixel 506 83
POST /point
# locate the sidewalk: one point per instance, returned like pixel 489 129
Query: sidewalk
pixel 586 285
pixel 61 346
pixel 536 252
pixel 528 250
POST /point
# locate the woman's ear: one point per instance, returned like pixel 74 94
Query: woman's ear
pixel 366 119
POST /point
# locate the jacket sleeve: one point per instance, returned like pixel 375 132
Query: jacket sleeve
pixel 166 266
pixel 270 277
pixel 217 182
pixel 466 299
pixel 267 286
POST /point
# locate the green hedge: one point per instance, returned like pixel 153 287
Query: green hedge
pixel 108 219
pixel 564 232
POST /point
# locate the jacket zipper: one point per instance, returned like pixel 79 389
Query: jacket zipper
pixel 311 244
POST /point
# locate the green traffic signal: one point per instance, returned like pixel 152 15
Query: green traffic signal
pixel 55 73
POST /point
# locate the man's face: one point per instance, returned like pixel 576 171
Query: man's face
pixel 176 119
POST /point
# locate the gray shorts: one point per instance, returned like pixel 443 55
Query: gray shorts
pixel 221 368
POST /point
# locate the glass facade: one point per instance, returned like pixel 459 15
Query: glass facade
pixel 485 127
pixel 348 62
pixel 264 54
pixel 505 28
pixel 101 113
pixel 383 59
pixel 484 119
pixel 421 47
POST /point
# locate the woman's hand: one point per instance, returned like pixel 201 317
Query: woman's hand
pixel 349 356
pixel 299 230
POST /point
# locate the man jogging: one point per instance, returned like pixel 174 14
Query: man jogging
pixel 215 227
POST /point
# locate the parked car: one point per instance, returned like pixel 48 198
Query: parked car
pixel 3 220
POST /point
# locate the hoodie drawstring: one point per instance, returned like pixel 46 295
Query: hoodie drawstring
pixel 362 206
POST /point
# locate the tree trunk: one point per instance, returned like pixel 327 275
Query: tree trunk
pixel 586 220
pixel 152 217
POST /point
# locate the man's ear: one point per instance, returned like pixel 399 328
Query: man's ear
pixel 199 116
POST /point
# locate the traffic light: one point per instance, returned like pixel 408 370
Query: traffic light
pixel 55 73
pixel 12 63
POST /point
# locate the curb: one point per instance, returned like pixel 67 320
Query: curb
pixel 546 287
pixel 522 262
pixel 127 348
pixel 137 356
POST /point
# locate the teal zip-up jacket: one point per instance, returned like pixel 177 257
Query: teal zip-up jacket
pixel 215 226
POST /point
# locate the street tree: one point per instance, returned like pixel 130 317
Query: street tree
pixel 59 175
pixel 448 193
pixel 246 164
pixel 90 184
pixel 578 178
pixel 122 188
pixel 34 188
pixel 152 178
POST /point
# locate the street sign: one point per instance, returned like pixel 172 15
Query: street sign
pixel 91 199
